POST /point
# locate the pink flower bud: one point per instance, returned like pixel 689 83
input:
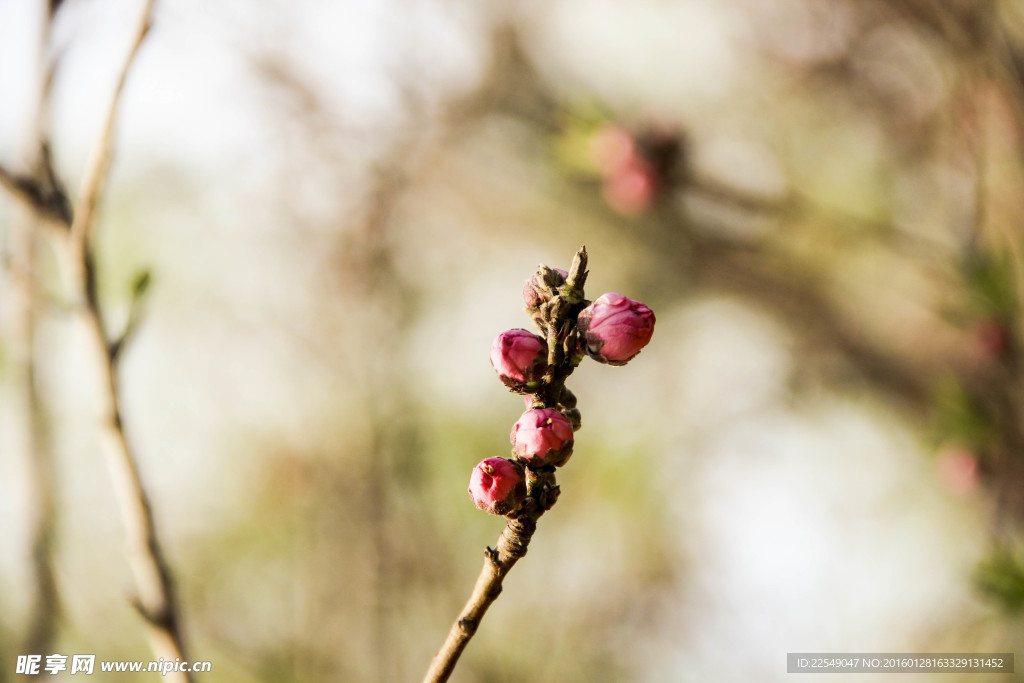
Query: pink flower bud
pixel 497 485
pixel 614 328
pixel 533 290
pixel 631 189
pixel 610 148
pixel 990 339
pixel 520 358
pixel 958 471
pixel 543 436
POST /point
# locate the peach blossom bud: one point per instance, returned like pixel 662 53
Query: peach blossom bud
pixel 990 339
pixel 543 436
pixel 520 359
pixel 611 147
pixel 497 485
pixel 631 189
pixel 958 471
pixel 535 291
pixel 614 328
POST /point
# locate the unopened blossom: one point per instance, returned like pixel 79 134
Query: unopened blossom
pixel 631 189
pixel 497 485
pixel 637 167
pixel 611 147
pixel 543 436
pixel 520 358
pixel 534 290
pixel 614 328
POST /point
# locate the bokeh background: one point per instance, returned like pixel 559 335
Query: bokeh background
pixel 821 450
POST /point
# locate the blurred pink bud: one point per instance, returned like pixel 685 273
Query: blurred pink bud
pixel 958 471
pixel 543 436
pixel 631 188
pixel 990 339
pixel 614 328
pixel 520 358
pixel 533 289
pixel 497 485
pixel 611 147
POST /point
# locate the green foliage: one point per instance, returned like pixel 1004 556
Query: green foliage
pixel 959 418
pixel 990 277
pixel 576 128
pixel 1000 578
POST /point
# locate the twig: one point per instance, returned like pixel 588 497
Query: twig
pixel 498 562
pixel 98 168
pixel 156 600
pixel 49 208
pixel 46 601
pixel 48 193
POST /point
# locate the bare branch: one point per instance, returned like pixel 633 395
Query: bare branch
pixel 49 207
pixel 48 204
pixel 511 546
pixel 156 600
pixel 99 163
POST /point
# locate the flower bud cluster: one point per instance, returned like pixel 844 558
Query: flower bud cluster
pixel 612 330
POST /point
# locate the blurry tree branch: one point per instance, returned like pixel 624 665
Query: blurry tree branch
pixel 45 199
pixel 46 606
pixel 156 599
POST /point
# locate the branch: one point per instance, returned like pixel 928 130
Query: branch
pixel 49 205
pixel 156 600
pixel 498 561
pixel 98 168
pixel 46 606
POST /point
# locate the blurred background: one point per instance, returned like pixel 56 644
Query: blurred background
pixel 337 204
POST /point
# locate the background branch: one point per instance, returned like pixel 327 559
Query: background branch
pixel 46 605
pixel 156 599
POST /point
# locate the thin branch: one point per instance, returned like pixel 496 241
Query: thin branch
pixel 98 169
pixel 47 194
pixel 511 546
pixel 49 209
pixel 156 599
pixel 46 606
